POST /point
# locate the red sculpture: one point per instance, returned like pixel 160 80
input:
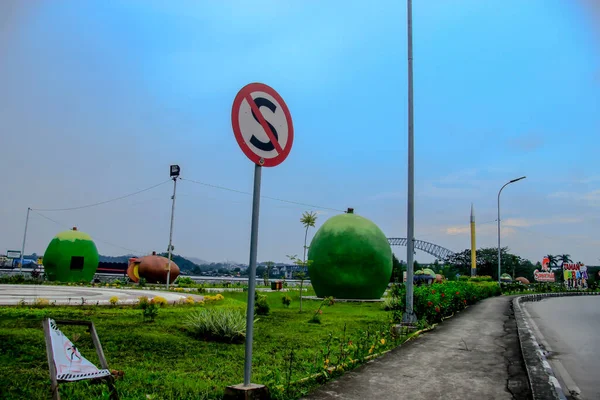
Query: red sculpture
pixel 153 268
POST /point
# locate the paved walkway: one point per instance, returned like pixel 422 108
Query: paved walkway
pixel 63 295
pixel 474 355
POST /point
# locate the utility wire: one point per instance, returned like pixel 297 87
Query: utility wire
pixel 266 197
pixel 95 237
pixel 101 202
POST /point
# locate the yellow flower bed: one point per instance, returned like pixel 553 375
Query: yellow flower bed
pixel 218 297
pixel 160 300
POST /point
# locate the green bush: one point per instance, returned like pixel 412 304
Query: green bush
pixel 150 311
pixel 482 278
pixel 390 303
pixel 261 306
pixel 219 324
pixel 185 281
pixel 286 300
pixel 436 301
pixel 18 279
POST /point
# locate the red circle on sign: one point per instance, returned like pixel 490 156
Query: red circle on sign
pixel 246 94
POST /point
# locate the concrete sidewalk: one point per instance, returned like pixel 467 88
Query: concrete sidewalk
pixel 474 355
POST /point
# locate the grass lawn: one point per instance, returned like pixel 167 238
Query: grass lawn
pixel 161 360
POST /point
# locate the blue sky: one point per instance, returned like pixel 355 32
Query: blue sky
pixel 100 98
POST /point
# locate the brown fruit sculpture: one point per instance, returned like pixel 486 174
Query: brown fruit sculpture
pixel 153 268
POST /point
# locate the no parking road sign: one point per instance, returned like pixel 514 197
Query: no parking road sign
pixel 262 124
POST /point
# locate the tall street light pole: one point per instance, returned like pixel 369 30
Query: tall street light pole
pixel 409 316
pixel 500 191
pixel 24 239
pixel 174 173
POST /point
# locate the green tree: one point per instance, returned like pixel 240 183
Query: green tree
pixel 300 275
pixel 396 270
pixel 553 264
pixel 308 219
pixel 486 261
pixel 552 261
pixel 269 266
pixel 564 259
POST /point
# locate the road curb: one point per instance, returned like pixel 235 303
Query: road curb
pixel 542 381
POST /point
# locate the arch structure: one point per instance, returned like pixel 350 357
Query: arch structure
pixel 439 252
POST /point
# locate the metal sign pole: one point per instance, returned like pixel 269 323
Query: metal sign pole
pixel 409 315
pixel 24 239
pixel 252 274
pixel 171 232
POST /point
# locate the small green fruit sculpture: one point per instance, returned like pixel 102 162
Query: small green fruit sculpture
pixel 350 257
pixel 71 256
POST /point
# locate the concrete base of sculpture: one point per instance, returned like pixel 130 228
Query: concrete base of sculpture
pixel 403 329
pixel 251 392
pixel 345 300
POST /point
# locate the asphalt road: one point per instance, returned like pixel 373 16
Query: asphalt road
pixel 12 294
pixel 568 327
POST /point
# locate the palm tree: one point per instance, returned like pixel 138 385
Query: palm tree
pixel 564 259
pixel 308 219
pixel 552 261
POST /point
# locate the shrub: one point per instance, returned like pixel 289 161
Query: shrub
pixel 189 300
pixel 261 306
pixel 481 278
pixel 286 300
pixel 436 301
pixel 392 303
pixel 219 324
pixel 142 282
pixel 150 311
pixel 316 318
pixel 159 300
pixel 113 300
pixel 40 301
pixel 185 281
pixel 143 302
pixel 218 297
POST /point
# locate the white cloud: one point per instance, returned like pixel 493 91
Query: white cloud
pixel 591 198
pixel 483 230
pixel 524 222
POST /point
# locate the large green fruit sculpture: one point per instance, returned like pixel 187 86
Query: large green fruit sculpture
pixel 351 258
pixel 71 256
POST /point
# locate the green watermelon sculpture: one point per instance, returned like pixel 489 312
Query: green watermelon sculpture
pixel 351 258
pixel 71 256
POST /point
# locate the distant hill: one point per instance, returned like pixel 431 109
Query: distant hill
pixel 198 261
pixel 117 259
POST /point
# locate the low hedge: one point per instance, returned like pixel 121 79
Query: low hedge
pixel 440 300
